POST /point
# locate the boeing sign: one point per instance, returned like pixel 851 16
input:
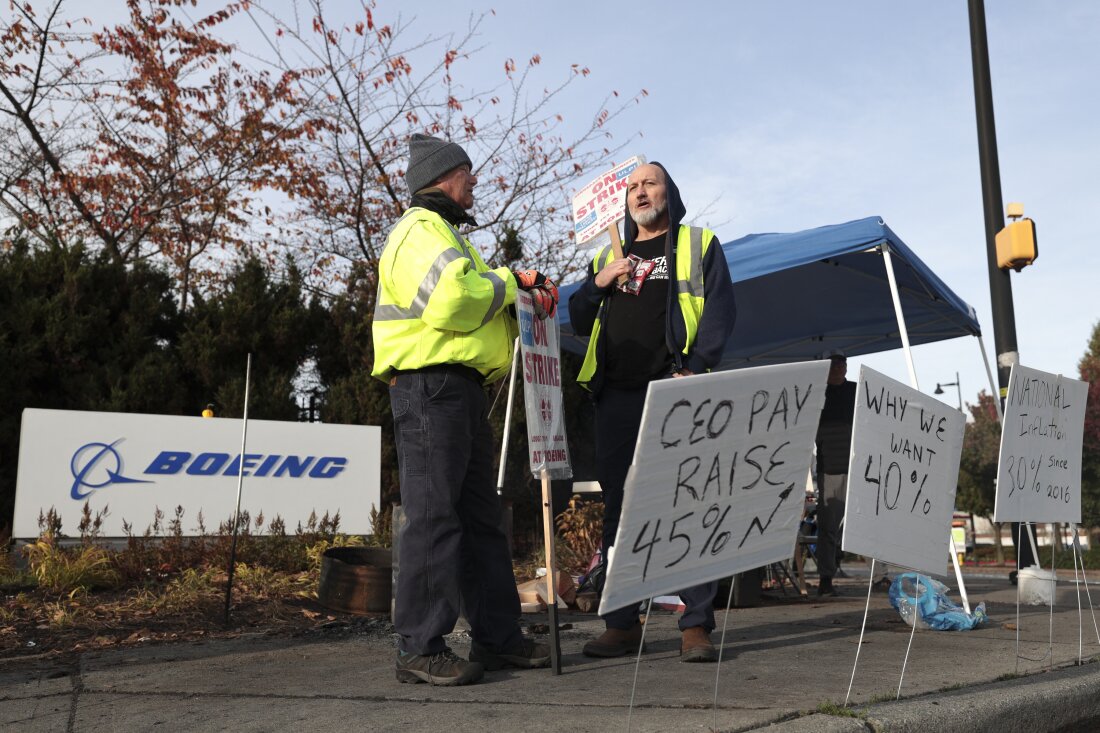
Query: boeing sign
pixel 133 465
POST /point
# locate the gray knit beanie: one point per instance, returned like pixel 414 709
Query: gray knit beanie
pixel 429 158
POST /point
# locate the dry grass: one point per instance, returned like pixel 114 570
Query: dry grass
pixel 70 596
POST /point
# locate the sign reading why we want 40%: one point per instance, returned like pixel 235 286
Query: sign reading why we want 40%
pixel 902 474
pixel 716 486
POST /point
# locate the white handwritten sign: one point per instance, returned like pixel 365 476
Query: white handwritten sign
pixel 716 486
pixel 539 345
pixel 902 474
pixel 602 202
pixel 1039 468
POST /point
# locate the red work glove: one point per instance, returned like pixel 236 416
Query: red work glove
pixel 528 279
pixel 545 299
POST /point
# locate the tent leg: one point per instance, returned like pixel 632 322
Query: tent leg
pixel 958 575
pixel 1031 538
pixel 913 381
pixel 992 385
pixel 900 316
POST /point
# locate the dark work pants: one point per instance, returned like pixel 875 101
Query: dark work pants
pixel 452 551
pixel 618 420
pixel 830 512
pixel 1025 558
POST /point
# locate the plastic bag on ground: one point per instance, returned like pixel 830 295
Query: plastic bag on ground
pixel 934 610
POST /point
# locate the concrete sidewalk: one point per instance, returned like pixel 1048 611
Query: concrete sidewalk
pixel 781 661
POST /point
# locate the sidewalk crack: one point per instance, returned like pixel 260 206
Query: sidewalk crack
pixel 77 677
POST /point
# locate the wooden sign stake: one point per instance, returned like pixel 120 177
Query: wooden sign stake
pixel 616 246
pixel 551 573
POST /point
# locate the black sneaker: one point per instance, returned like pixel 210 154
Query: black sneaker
pixel 825 587
pixel 528 654
pixel 445 668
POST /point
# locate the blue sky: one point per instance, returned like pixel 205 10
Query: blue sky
pixel 796 114
pixel 800 114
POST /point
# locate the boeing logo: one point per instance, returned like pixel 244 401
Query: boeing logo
pixel 98 465
pixel 171 462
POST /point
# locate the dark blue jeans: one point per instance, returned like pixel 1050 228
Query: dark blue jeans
pixel 453 554
pixel 618 420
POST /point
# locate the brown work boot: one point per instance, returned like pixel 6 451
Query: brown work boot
pixel 695 646
pixel 444 668
pixel 615 643
pixel 526 654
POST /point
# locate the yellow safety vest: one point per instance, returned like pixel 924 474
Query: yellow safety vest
pixel 692 244
pixel 439 303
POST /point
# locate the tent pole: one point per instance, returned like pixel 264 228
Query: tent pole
pixel 913 380
pixel 992 384
pixel 900 316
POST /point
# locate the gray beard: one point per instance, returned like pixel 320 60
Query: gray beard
pixel 647 217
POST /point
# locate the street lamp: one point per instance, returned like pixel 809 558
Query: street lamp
pixel 955 384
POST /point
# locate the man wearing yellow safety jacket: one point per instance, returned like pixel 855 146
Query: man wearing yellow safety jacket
pixel 443 328
pixel 670 317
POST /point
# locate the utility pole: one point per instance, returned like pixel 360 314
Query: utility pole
pixel 1000 286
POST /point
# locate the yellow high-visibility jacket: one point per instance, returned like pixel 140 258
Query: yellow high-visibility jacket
pixel 439 303
pixel 692 244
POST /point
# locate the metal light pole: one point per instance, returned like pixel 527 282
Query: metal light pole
pixel 955 384
pixel 1000 286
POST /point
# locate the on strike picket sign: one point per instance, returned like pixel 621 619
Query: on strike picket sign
pixel 1039 468
pixel 601 203
pixel 539 348
pixel 902 474
pixel 716 486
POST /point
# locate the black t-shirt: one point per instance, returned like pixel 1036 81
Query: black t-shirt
pixel 637 352
pixel 834 432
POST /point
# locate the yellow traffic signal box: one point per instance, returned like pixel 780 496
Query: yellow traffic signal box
pixel 1017 245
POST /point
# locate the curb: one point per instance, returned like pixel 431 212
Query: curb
pixel 1043 702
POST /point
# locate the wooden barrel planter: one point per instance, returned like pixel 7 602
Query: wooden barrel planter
pixel 356 579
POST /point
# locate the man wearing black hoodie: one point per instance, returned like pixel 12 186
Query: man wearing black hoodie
pixel 670 318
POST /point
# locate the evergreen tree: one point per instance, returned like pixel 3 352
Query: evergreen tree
pixel 81 332
pixel 256 314
pixel 978 464
pixel 344 359
pixel 1089 367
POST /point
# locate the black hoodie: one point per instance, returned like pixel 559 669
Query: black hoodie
pixel 719 311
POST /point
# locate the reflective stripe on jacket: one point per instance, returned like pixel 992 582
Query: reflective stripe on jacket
pixel 692 244
pixel 439 303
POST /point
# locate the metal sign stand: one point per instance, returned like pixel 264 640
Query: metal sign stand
pixel 240 485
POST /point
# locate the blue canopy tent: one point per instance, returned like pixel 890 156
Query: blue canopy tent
pixel 802 294
pixel 854 286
